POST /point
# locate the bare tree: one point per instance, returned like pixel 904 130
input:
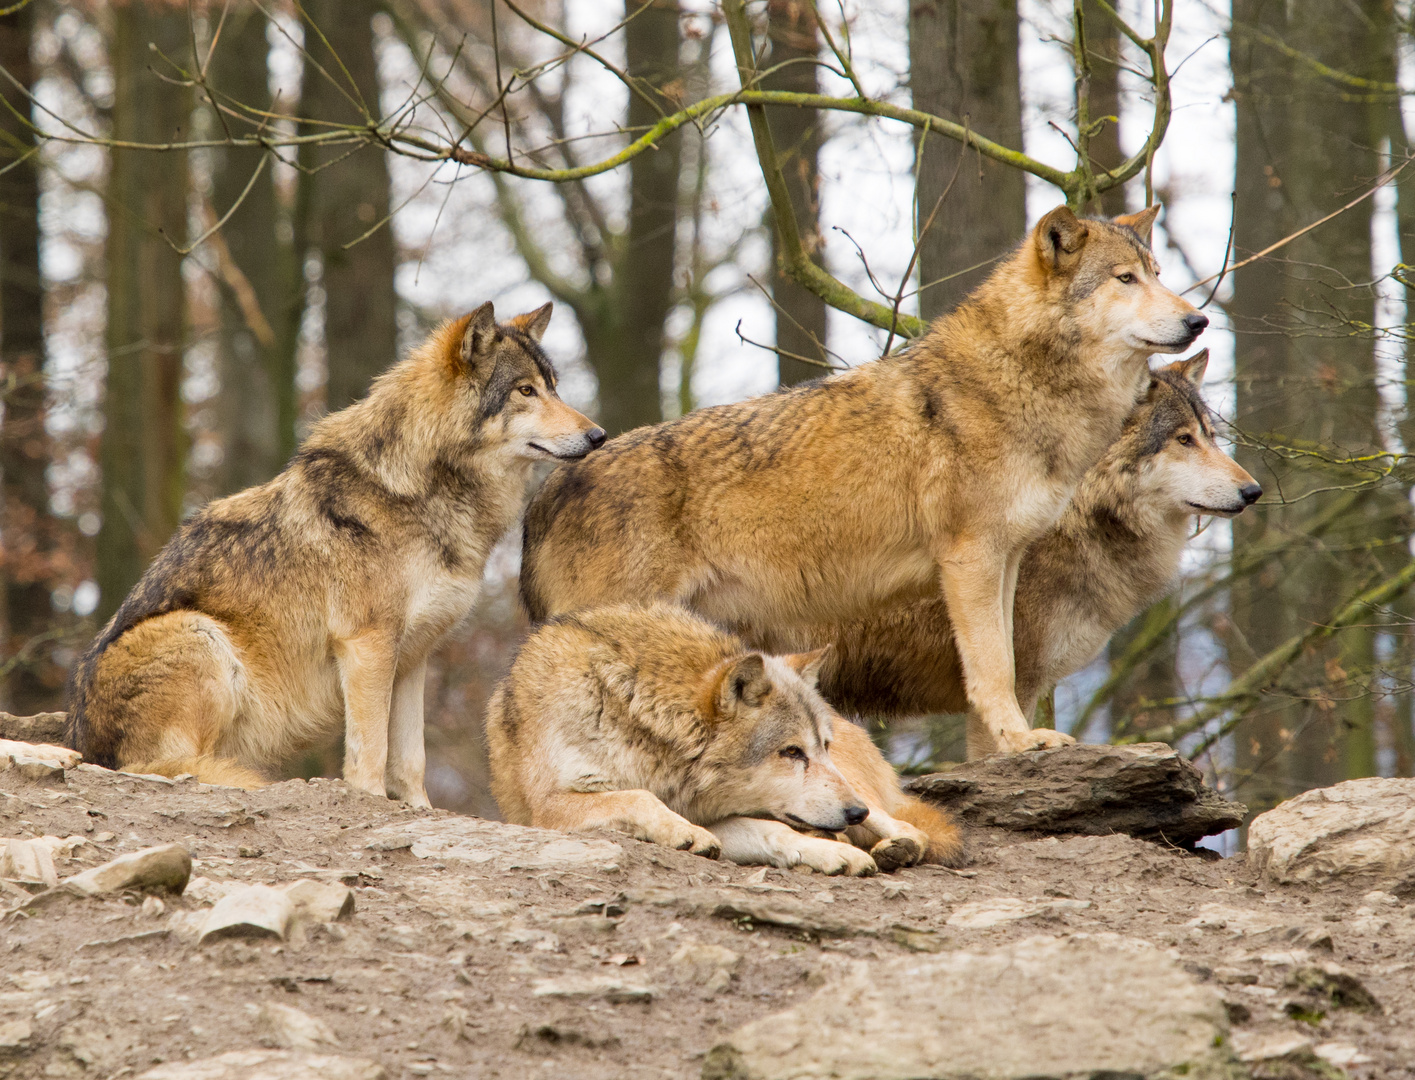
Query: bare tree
pixel 143 455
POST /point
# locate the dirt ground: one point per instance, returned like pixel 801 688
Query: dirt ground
pixel 515 953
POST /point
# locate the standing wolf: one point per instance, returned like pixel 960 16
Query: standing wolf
pixel 1115 550
pixel 650 721
pixel 277 615
pixel 937 467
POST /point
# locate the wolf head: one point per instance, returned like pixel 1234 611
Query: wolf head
pixel 769 754
pixel 506 387
pixel 1107 276
pixel 1168 447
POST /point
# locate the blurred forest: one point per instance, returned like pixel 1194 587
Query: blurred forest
pixel 220 219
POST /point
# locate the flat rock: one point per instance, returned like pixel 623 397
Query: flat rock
pixel 19 752
pixel 1359 828
pixel 30 862
pixel 165 868
pixel 1147 790
pixel 255 911
pixel 608 987
pixel 500 847
pixel 1000 1015
pixel 45 727
pixel 269 1065
pixel 320 902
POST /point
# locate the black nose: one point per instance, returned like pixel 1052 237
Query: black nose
pixel 1251 493
pixel 856 814
pixel 1196 323
pixel 596 437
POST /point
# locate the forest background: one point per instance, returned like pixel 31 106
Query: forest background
pixel 219 220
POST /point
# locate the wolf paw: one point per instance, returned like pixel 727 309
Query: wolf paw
pixel 692 839
pixel 1015 742
pixel 831 858
pixel 889 855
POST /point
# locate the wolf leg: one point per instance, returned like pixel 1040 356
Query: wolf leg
pixel 639 813
pixel 758 841
pixel 979 583
pixel 366 666
pixel 407 752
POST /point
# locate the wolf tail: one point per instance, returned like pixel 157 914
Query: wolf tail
pixel 207 768
pixel 945 838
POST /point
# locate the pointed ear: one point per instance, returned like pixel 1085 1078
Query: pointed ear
pixel 744 682
pixel 480 334
pixel 534 322
pixel 1143 222
pixel 1058 236
pixel 808 664
pixel 1194 367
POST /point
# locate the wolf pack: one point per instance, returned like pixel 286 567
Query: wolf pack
pixel 950 528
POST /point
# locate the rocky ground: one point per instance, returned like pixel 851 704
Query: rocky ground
pixel 480 949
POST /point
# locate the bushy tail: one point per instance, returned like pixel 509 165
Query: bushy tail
pixel 945 839
pixel 207 768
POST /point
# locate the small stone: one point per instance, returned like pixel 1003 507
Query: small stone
pixel 981 914
pixel 709 966
pixel 1264 1046
pixel 156 869
pixel 255 911
pixel 29 862
pixel 153 907
pixel 270 1065
pixel 1232 976
pixel 15 1034
pixel 1340 1054
pixel 250 852
pixel 292 1029
pixel 317 902
pixel 608 987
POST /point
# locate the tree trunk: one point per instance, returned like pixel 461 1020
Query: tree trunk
pixel 624 324
pixel 963 66
pixel 350 196
pixel 144 442
pixel 253 378
pixel 1103 53
pixel 800 313
pixel 28 542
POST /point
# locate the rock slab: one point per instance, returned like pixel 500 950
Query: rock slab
pixel 45 727
pixel 1147 790
pixel 270 1065
pixel 1008 1014
pixel 1359 828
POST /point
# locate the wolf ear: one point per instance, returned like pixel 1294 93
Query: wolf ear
pixel 745 682
pixel 1143 222
pixel 1193 368
pixel 534 322
pixel 808 664
pixel 479 335
pixel 1058 235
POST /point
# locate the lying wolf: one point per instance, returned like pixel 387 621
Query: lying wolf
pixel 1115 550
pixel 937 467
pixel 280 614
pixel 652 722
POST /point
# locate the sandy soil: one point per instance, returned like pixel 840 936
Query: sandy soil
pixel 512 955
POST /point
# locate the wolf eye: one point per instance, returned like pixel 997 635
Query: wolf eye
pixel 527 391
pixel 795 753
pixel 1186 439
pixel 1126 278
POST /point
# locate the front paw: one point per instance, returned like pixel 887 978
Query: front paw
pixel 889 855
pixel 1015 742
pixel 831 858
pixel 690 838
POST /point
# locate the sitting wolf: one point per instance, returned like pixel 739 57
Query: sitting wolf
pixel 928 473
pixel 652 722
pixel 279 615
